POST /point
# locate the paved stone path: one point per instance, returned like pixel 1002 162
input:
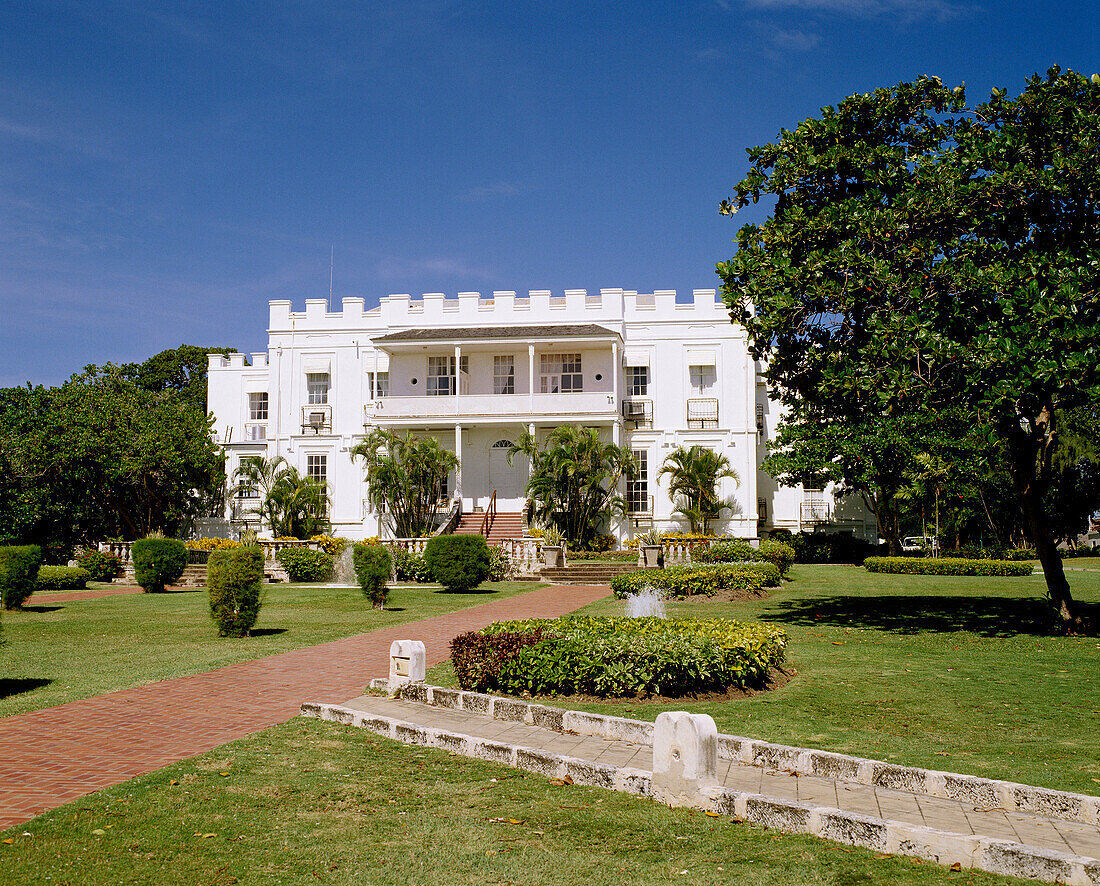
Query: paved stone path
pixel 56 755
pixel 46 597
pixel 916 809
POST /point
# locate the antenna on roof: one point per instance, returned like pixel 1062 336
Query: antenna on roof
pixel 331 254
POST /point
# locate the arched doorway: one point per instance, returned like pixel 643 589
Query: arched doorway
pixel 509 480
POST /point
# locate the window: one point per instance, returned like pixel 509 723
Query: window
pixel 441 376
pixel 257 406
pixel 317 467
pixel 244 490
pixel 702 380
pixel 637 381
pixel 378 385
pixel 443 490
pixel 560 373
pixel 637 490
pixel 504 375
pixel 317 385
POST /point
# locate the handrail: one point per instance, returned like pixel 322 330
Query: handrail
pixel 490 515
pixel 455 514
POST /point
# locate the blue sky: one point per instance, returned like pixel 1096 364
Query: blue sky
pixel 166 168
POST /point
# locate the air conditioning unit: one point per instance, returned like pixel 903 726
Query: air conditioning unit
pixel 316 420
pixel 634 411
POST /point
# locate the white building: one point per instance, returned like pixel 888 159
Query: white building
pixel 651 371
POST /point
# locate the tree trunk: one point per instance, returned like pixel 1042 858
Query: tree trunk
pixel 1025 450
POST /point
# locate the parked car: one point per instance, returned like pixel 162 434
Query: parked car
pixel 918 544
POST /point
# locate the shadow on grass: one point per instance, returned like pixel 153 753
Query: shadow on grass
pixel 266 632
pixel 41 608
pixel 987 616
pixel 394 608
pixel 18 685
pixel 478 591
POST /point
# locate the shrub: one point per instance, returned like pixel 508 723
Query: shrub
pixel 158 562
pixel 830 547
pixel 944 566
pixel 458 562
pixel 601 543
pixel 618 556
pixel 18 573
pixel 617 656
pixel 62 578
pixel 305 564
pixel 778 553
pixel 689 580
pixel 727 550
pixel 408 566
pixel 331 546
pixel 373 565
pixel 500 564
pixel 234 582
pixel 210 544
pixel 101 565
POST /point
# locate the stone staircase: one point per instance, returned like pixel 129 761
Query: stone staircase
pixel 194 576
pixel 583 573
pixel 505 526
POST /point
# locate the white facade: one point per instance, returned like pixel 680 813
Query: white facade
pixel 650 371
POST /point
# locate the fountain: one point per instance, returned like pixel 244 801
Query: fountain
pixel 647 602
pixel 343 571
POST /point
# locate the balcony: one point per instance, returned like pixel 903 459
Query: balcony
pixel 255 432
pixel 317 419
pixel 814 511
pixel 702 413
pixel 638 412
pixel 512 407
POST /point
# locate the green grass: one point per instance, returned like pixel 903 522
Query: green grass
pixel 941 672
pixel 59 651
pixel 308 802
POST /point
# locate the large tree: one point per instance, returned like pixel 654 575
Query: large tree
pixel 101 457
pixel 924 256
pixel 182 370
pixel 574 483
pixel 404 474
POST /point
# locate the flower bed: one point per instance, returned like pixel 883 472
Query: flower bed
pixel 688 580
pixel 945 566
pixel 612 657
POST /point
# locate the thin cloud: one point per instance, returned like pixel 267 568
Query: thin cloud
pixel 393 267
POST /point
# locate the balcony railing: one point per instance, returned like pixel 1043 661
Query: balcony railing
pixel 401 409
pixel 255 431
pixel 702 413
pixel 814 512
pixel 638 412
pixel 317 419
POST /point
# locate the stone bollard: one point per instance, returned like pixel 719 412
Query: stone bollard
pixel 407 664
pixel 685 758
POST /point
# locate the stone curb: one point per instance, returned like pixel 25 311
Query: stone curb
pixel 850 828
pixel 970 789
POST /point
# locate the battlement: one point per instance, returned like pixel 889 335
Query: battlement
pixel 500 307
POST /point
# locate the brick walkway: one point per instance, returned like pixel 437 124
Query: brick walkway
pixel 54 756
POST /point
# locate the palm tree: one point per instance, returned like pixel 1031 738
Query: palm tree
pixel 693 484
pixel 574 480
pixel 292 505
pixel 403 476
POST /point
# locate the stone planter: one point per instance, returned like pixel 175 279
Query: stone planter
pixel 651 556
pixel 553 556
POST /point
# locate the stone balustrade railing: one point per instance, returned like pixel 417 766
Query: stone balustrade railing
pixel 524 554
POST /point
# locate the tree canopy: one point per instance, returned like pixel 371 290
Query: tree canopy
pixel 292 506
pixel 927 258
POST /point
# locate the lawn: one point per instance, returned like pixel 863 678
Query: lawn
pixel 58 651
pixel 308 802
pixel 940 672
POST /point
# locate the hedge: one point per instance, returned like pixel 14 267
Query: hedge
pixel 945 566
pixel 62 578
pixel 158 562
pixel 826 547
pixel 689 580
pixel 617 656
pixel 101 565
pixel 18 573
pixel 305 564
pixel 373 566
pixel 408 566
pixel 735 550
pixel 458 562
pixel 234 583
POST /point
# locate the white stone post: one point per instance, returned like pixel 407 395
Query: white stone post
pixel 407 663
pixel 531 378
pixel 458 455
pixel 685 758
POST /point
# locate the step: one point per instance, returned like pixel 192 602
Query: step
pixel 193 576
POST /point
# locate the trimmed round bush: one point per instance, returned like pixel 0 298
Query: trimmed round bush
pixel 500 564
pixel 305 564
pixel 775 551
pixel 234 583
pixel 158 562
pixel 458 562
pixel 945 566
pixel 101 565
pixel 737 550
pixel 18 573
pixel 707 579
pixel 373 566
pixel 62 578
pixel 617 656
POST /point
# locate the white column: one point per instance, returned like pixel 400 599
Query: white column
pixel 458 455
pixel 531 380
pixel 616 371
pixel 458 373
